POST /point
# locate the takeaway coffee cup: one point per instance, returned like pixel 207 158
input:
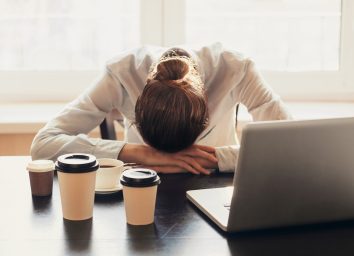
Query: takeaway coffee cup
pixel 77 177
pixel 41 177
pixel 139 193
pixel 108 174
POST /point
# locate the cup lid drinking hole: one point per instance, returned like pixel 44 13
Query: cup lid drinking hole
pixel 139 177
pixel 76 163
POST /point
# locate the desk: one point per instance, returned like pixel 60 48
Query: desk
pixel 31 226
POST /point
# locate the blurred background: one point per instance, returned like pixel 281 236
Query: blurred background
pixel 50 51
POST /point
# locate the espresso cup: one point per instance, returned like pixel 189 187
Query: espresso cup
pixel 139 193
pixel 77 177
pixel 108 174
pixel 41 177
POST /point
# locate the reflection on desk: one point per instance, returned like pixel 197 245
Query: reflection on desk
pixel 35 225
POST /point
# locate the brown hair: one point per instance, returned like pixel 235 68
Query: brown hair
pixel 172 110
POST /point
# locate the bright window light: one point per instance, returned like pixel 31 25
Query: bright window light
pixel 281 35
pixel 65 34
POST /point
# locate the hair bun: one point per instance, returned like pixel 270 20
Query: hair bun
pixel 173 68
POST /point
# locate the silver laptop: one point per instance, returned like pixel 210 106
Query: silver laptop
pixel 288 173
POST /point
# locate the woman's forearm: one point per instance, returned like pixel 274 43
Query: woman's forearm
pixel 132 153
pixel 195 159
pixel 206 163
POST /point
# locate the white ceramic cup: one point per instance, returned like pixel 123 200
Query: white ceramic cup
pixel 108 174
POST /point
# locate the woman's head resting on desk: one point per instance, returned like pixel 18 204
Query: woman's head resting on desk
pixel 172 110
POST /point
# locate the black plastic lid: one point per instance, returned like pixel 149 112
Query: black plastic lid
pixel 139 177
pixel 76 163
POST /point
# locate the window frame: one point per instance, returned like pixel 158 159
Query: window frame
pixel 296 86
pixel 162 22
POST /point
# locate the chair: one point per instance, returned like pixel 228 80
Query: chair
pixel 107 129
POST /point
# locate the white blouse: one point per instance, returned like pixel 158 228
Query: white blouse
pixel 229 79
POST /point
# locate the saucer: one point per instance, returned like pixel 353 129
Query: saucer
pixel 103 191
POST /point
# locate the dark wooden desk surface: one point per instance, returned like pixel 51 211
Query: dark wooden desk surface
pixel 31 226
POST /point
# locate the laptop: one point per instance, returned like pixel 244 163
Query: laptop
pixel 288 173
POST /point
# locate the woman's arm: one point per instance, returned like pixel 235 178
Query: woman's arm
pixel 261 102
pixel 259 99
pixel 196 159
pixel 66 133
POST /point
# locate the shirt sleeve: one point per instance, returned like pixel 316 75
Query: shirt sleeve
pixel 67 132
pixel 259 99
pixel 261 102
pixel 227 157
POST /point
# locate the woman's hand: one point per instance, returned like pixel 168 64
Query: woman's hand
pixel 194 159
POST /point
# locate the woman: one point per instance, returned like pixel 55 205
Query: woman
pixel 178 107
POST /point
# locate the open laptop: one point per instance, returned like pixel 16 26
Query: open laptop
pixel 288 173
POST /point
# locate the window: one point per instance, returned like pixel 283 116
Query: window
pixel 303 47
pixel 52 50
pixel 278 34
pixel 64 34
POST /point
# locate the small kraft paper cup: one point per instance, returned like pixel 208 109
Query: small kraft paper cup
pixel 41 174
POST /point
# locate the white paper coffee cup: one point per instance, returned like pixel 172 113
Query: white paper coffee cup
pixel 139 193
pixel 77 177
